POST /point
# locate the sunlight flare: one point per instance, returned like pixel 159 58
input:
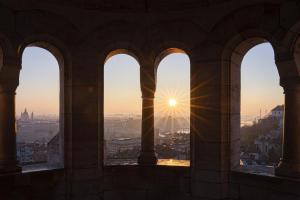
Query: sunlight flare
pixel 172 102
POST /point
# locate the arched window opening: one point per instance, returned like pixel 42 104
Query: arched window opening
pixel 262 111
pixel 122 110
pixel 38 125
pixel 172 110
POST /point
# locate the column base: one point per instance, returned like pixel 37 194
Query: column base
pixel 288 169
pixel 147 158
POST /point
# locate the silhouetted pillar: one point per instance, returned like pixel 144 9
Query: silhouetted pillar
pixel 7 132
pixel 8 83
pixel 147 155
pixel 290 162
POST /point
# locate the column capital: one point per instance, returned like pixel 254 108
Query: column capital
pixel 9 78
pixel 12 62
pixel 8 88
pixel 284 56
pixel 290 83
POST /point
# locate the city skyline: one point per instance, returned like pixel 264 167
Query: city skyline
pixel 40 72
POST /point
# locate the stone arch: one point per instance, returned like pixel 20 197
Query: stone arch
pixel 118 47
pixel 178 32
pixel 61 54
pixel 119 36
pixel 232 58
pixel 6 50
pixel 296 56
pixel 261 24
pixel 44 23
pixel 288 55
pixel 166 50
pixel 51 44
pixel 121 51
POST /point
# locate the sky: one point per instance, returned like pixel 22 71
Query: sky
pixel 122 93
pixel 260 89
pixel 38 90
pixel 172 82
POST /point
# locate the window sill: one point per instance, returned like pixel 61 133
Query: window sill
pixel 173 163
pixel 257 170
pixel 160 163
pixel 33 172
pixel 42 170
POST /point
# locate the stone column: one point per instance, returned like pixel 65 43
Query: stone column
pixel 9 77
pixel 290 162
pixel 148 85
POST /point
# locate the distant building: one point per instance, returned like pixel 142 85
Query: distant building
pixel 265 143
pixel 31 153
pixel 121 144
pixel 278 113
pixel 37 139
pixel 36 131
pixel 25 115
pixel 265 148
pixel 169 125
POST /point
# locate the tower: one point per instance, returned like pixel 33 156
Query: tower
pixel 25 115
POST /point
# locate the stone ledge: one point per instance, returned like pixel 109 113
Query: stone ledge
pixel 44 183
pixel 29 175
pixel 266 182
pixel 154 168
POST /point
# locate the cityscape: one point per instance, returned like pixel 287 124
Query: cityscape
pixel 37 140
pixel 123 139
pixel 261 140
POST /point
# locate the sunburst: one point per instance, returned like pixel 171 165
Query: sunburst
pixel 175 104
pixel 172 102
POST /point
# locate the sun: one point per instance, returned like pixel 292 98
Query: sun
pixel 172 102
